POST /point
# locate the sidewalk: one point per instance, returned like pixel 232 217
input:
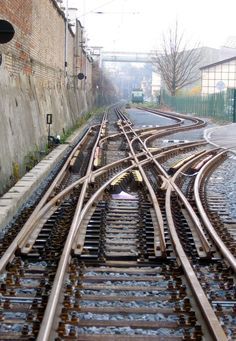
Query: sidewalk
pixel 222 136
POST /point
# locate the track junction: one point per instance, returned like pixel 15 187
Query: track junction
pixel 124 244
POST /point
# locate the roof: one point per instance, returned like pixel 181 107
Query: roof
pixel 218 63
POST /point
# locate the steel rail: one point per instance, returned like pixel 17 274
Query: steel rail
pixel 29 225
pixel 160 168
pixel 97 194
pixel 48 317
pixel 220 244
pixel 59 197
pixel 195 219
pixel 147 130
pixel 99 172
pixel 176 130
pixel 169 115
pixel 165 151
pixel 9 253
pixel 171 181
pixel 60 176
pixel 160 246
pixel 139 130
pixel 188 206
pixel 87 178
pixel 166 177
pixel 58 282
pixel 208 312
pixel 220 332
pixel 206 308
pixel 177 115
pixel 153 196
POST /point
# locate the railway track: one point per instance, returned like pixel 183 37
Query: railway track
pixel 120 246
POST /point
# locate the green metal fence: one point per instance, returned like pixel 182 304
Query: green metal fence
pixel 219 106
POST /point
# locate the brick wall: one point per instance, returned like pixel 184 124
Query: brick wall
pixel 32 81
pixel 38 47
pixel 18 12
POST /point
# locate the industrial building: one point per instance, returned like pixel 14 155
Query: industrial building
pixel 219 76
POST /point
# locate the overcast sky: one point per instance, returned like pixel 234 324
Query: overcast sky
pixel 137 25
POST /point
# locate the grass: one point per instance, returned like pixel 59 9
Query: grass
pixel 81 121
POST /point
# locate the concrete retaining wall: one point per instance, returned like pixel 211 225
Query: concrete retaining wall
pixel 24 103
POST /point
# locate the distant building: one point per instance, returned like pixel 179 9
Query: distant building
pixel 156 85
pixel 210 56
pixel 219 76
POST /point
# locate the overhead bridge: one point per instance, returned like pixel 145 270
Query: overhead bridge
pixel 138 57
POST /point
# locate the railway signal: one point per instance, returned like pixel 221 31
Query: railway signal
pixel 81 76
pixel 49 122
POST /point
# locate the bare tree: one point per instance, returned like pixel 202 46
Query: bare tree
pixel 177 64
pixel 103 88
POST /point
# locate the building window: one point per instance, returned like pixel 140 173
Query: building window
pixel 211 82
pixel 232 67
pixel 231 83
pixel 225 68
